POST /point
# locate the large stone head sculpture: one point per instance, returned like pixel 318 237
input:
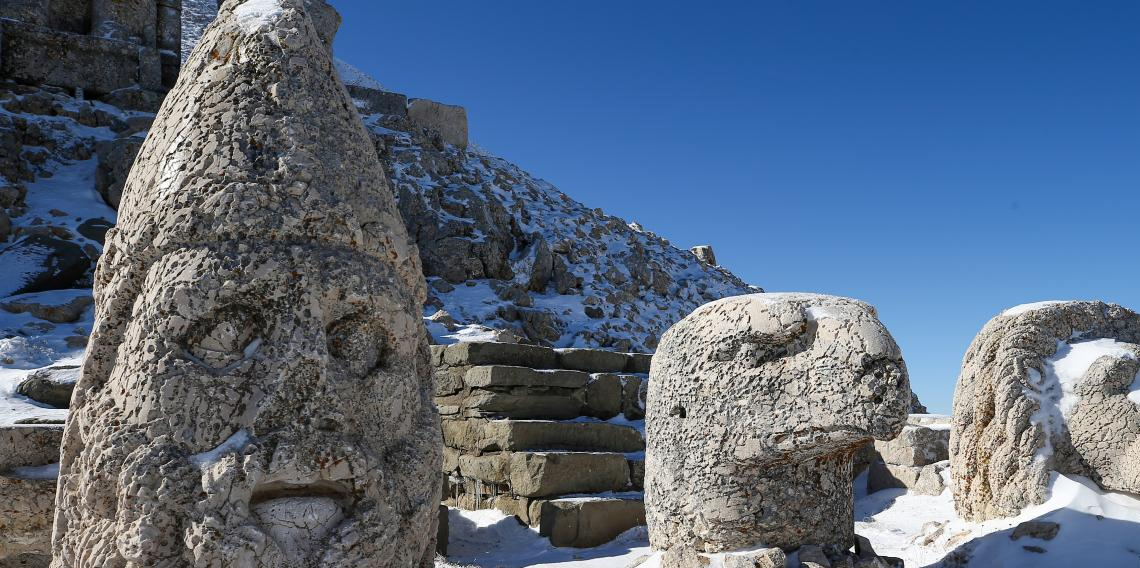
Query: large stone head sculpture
pixel 756 405
pixel 1044 387
pixel 256 391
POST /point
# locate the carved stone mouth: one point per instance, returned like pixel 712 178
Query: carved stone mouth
pixel 300 517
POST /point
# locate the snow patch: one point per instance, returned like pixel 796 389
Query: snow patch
pixel 1018 310
pixel 235 443
pixel 1068 366
pixel 252 14
pixel 49 471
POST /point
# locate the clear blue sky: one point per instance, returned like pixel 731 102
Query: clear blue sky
pixel 942 160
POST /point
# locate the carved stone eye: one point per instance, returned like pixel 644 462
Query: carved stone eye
pixel 224 340
pixel 359 343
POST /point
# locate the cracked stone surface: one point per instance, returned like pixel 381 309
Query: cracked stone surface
pixel 257 388
pixel 755 408
pixel 1015 421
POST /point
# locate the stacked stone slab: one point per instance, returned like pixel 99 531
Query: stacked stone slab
pixel 106 45
pixel 449 122
pixel 544 434
pixel 28 455
pixel 916 459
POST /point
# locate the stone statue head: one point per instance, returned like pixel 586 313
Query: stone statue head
pixel 257 391
pixel 1063 376
pixel 756 405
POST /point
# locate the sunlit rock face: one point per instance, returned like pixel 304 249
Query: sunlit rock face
pixel 256 391
pixel 1051 386
pixel 755 408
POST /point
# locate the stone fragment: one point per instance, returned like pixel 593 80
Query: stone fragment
pixel 788 386
pixel 257 391
pixel 592 360
pixel 115 160
pixel 57 306
pixel 916 446
pixel 705 254
pixel 40 263
pixel 51 386
pixel 924 480
pixel 1014 423
pixel 765 558
pixel 588 522
pixel 683 557
pixel 1043 530
pixel 95 229
pixel 814 553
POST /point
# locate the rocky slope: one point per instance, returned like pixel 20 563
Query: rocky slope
pixel 507 255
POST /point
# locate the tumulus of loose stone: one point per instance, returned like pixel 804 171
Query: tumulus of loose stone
pixel 755 408
pixel 1012 425
pixel 256 391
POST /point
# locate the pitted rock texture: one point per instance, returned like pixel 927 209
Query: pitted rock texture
pixel 257 389
pixel 1015 420
pixel 756 406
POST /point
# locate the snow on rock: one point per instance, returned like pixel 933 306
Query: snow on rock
pixel 1072 360
pixel 252 14
pixel 353 76
pixel 1018 310
pixel 234 443
pixel 1097 528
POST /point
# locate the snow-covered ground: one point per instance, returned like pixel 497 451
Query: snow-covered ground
pixel 1097 528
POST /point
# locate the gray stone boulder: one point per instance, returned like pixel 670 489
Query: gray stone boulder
pixel 1046 387
pixel 449 121
pixel 37 263
pixel 705 254
pixel 115 160
pixel 51 386
pixel 756 406
pixel 56 306
pixel 916 446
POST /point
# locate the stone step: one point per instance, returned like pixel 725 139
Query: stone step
pixel 584 522
pixel 510 376
pixel 593 360
pixel 546 474
pixel 487 353
pixel 483 435
pixel 547 403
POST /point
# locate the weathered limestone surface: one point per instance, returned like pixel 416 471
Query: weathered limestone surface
pixel 257 390
pixel 756 405
pixel 1014 421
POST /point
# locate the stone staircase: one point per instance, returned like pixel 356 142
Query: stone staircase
pixel 552 436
